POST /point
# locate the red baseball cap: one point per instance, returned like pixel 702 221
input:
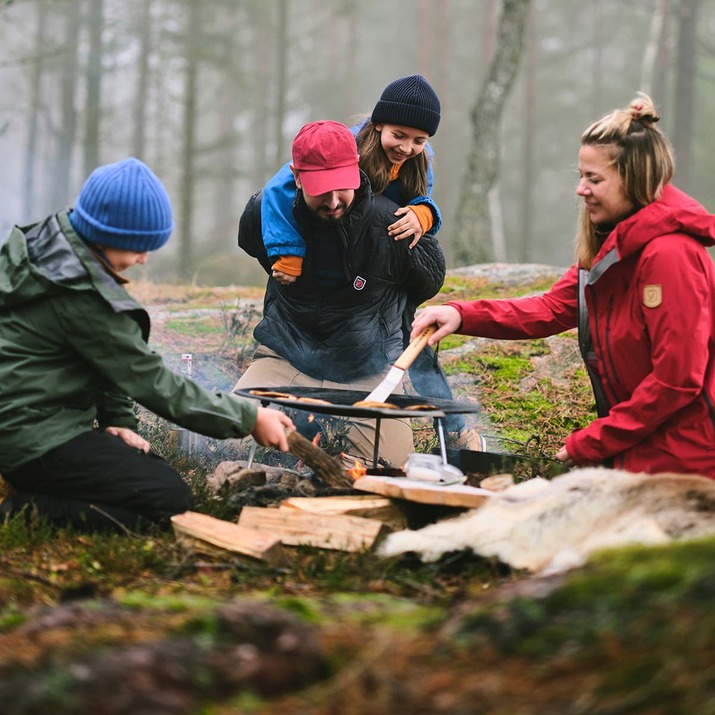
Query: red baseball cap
pixel 325 156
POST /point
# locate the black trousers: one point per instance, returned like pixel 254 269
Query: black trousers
pixel 96 482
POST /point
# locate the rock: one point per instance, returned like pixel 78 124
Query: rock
pixel 242 480
pixel 176 667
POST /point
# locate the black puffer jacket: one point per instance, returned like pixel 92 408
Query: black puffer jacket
pixel 341 319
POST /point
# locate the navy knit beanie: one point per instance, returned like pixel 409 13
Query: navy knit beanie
pixel 409 102
pixel 125 206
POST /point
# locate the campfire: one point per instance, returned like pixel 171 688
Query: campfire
pixel 357 470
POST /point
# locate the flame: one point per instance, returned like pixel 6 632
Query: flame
pixel 310 418
pixel 358 470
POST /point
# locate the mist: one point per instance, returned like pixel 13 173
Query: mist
pixel 210 95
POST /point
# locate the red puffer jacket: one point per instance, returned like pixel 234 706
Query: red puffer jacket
pixel 651 313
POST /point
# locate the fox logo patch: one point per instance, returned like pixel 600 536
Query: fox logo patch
pixel 652 296
pixel 359 283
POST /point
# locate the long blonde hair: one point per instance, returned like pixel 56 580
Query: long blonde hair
pixel 642 155
pixel 374 162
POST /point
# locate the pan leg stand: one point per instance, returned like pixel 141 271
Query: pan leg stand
pixel 376 449
pixel 442 443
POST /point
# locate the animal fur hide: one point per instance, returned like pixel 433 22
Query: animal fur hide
pixel 551 526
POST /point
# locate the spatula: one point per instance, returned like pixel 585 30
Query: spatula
pixel 397 372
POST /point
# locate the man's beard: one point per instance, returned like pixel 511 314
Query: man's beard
pixel 329 218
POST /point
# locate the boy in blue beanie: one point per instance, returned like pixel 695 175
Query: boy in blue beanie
pixel 75 359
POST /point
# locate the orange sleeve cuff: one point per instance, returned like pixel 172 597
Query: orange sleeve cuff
pixel 424 216
pixel 290 265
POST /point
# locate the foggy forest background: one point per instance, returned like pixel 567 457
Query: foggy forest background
pixel 211 92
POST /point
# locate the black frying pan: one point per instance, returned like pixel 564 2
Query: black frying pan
pixel 342 403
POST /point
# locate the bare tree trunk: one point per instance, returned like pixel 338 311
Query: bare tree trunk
pixel 491 27
pixel 473 234
pixel 61 177
pixel 226 209
pixel 351 59
pixel 142 89
pixel 261 73
pixel 529 127
pixel 193 42
pixel 281 80
pixel 659 90
pixel 685 89
pixel 596 27
pixel 443 44
pixel 35 103
pixel 94 71
pixel 497 219
pixel 650 55
pixel 425 37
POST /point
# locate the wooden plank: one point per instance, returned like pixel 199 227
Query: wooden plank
pixel 327 531
pixel 229 536
pixel 336 504
pixel 370 507
pixel 457 495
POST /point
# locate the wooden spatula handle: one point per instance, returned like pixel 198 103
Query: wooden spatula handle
pixel 415 348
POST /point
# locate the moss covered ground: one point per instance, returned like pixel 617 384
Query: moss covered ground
pixel 633 632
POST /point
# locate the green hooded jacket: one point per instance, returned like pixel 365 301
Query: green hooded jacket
pixel 73 352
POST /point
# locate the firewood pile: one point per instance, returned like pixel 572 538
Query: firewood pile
pixel 280 508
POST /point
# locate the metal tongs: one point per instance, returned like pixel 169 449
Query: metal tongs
pixel 434 468
pixel 431 468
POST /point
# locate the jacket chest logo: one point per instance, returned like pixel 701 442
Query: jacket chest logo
pixel 359 283
pixel 652 296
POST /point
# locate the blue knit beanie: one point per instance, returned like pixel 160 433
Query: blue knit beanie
pixel 409 102
pixel 125 206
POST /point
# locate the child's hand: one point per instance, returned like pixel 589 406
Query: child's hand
pixel 270 428
pixel 283 278
pixel 408 226
pixel 129 437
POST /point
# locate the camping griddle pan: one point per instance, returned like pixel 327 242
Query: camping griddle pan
pixel 342 403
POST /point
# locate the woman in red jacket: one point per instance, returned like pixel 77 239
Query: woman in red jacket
pixel 642 296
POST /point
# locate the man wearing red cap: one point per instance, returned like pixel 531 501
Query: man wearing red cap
pixel 339 324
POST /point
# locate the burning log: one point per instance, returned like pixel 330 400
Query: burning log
pixel 325 467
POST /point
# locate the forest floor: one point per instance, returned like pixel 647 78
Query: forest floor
pixel 138 624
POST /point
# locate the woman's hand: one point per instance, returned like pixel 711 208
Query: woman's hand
pixel 445 317
pixel 563 456
pixel 130 437
pixel 408 226
pixel 270 428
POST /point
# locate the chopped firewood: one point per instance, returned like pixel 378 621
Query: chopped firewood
pixel 327 531
pixel 381 508
pixel 323 465
pixel 457 495
pixel 237 538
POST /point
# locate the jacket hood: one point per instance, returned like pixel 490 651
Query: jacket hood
pixel 39 259
pixel 47 257
pixel 672 212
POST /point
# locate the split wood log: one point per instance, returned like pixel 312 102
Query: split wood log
pixel 327 531
pixel 226 535
pixel 325 467
pixel 458 495
pixel 370 507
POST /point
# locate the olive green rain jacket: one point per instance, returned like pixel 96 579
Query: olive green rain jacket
pixel 73 352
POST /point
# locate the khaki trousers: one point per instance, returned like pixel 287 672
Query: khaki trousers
pixel 268 369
